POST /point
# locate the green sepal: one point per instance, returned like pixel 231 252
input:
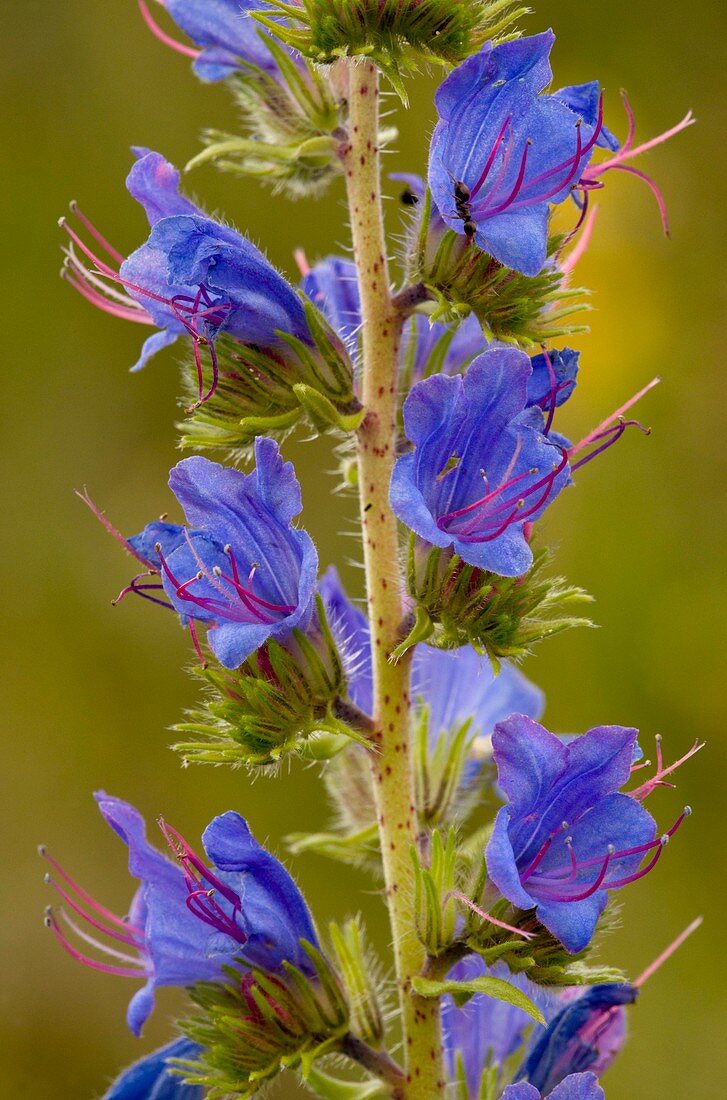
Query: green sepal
pixel 397 35
pixel 332 1088
pixel 352 848
pixel 296 1020
pixel 523 310
pixel 460 992
pixel 499 616
pixel 434 909
pixel 438 769
pixel 323 414
pixel 421 631
pixel 283 699
pixel 361 976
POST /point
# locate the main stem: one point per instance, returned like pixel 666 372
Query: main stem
pixel 392 770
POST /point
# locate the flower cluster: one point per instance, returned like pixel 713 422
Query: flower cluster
pixel 500 844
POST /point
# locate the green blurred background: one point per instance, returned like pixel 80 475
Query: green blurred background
pixel 90 690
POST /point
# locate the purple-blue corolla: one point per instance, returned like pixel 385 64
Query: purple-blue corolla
pixel 567 836
pixel 585 1032
pixel 577 1086
pixel 187 920
pixel 192 276
pixel 503 152
pixel 584 1029
pixel 482 465
pixel 240 568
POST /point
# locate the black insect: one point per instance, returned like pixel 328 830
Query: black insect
pixel 462 195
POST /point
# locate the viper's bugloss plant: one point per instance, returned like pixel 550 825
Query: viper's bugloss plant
pixel 498 845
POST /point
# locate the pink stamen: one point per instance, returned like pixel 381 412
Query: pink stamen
pixel 302 261
pixel 81 893
pixel 597 433
pixel 655 190
pixel 95 964
pixel 143 590
pixel 598 169
pixel 485 916
pixel 128 937
pixel 193 864
pixel 97 236
pixel 579 250
pixel 609 437
pixel 667 953
pixel 195 642
pixel 491 158
pixel 123 956
pixel 659 778
pixel 156 30
pixel 126 313
pixel 110 527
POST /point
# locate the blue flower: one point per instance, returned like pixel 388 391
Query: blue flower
pixel 578 1086
pixel 566 836
pixel 196 276
pixel 482 466
pixel 152 1078
pixel 502 152
pixel 585 1034
pixel 186 920
pixel 241 568
pixel 192 276
pixel 485 1031
pixel 230 40
pixel 455 685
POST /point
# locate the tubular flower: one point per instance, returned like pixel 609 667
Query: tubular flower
pixel 586 1033
pixel 193 276
pixel 241 568
pixel 186 920
pixel 482 467
pixel 502 153
pixel 567 836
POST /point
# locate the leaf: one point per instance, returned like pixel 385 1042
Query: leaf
pixel 497 988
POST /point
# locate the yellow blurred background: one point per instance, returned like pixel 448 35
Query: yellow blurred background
pixel 90 690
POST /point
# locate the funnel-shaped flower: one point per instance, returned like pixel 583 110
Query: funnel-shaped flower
pixel 566 836
pixel 482 465
pixel 502 152
pixel 193 276
pixel 241 568
pixel 186 920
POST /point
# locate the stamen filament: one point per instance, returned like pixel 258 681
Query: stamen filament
pixel 156 30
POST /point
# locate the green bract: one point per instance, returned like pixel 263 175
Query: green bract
pixel 396 34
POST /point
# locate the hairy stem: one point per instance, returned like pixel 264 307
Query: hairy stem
pixel 391 760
